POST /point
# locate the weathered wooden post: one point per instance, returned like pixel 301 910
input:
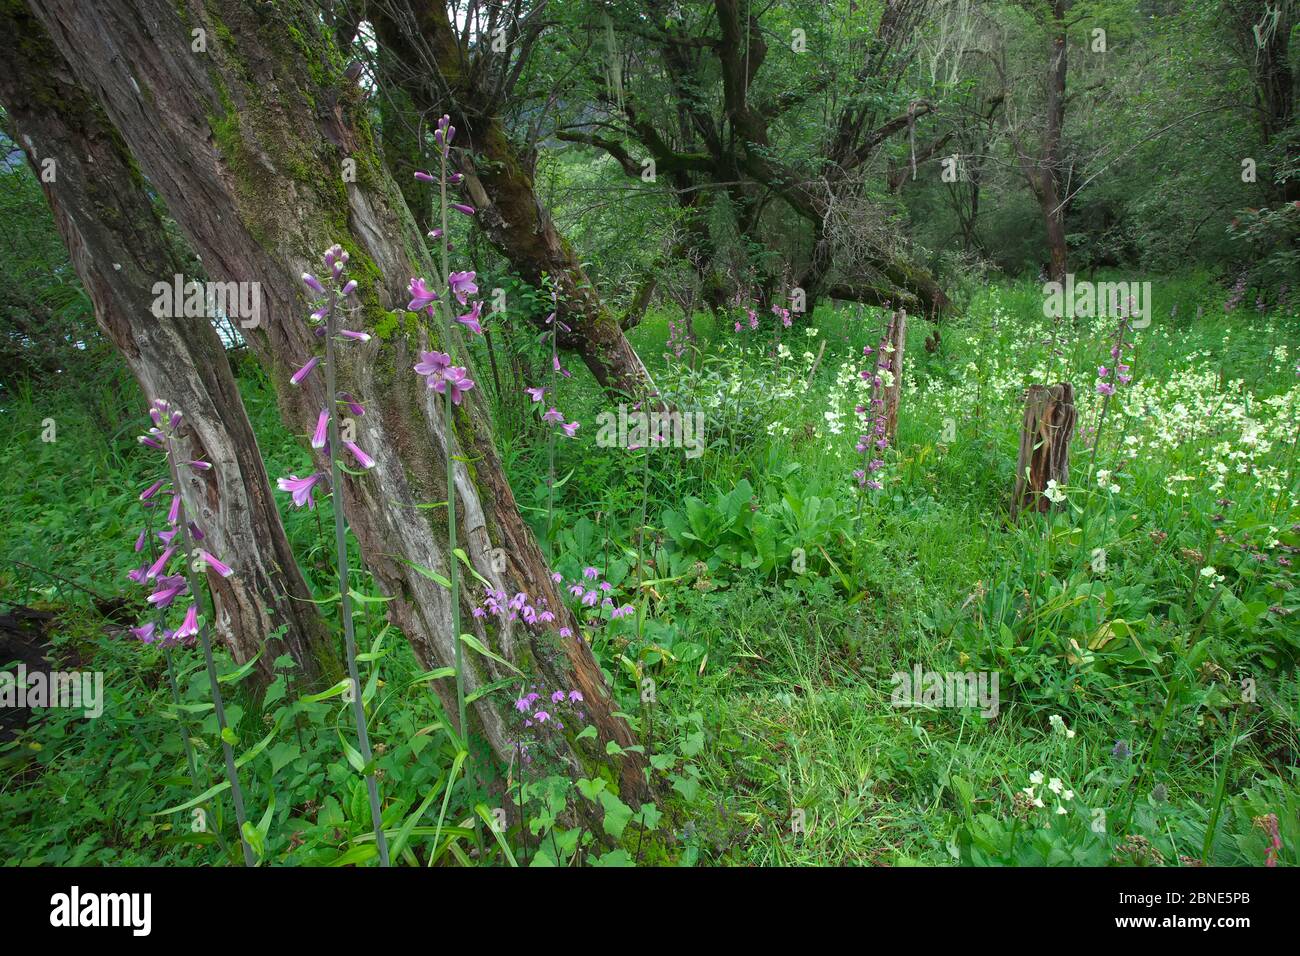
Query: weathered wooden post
pixel 1044 445
pixel 895 340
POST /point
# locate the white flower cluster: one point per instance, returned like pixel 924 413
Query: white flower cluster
pixel 1054 785
pixel 1217 431
pixel 848 392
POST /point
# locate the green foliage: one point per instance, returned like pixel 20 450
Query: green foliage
pixel 757 690
pixel 1143 634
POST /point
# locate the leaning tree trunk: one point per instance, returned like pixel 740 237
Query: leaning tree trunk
pixel 247 143
pixel 521 230
pixel 432 70
pixel 119 247
pixel 1044 446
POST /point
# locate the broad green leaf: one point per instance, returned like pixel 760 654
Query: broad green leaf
pixel 334 691
pixel 426 572
pixel 590 788
pixel 486 816
pixel 353 755
pixel 242 671
pixel 475 644
pixel 617 813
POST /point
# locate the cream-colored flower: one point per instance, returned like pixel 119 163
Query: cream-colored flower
pixel 1058 725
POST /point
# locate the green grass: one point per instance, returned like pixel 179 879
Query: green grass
pixel 772 687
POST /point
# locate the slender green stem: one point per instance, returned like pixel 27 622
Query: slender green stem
pixel 171 677
pixel 176 700
pixel 185 737
pixel 640 542
pixel 450 429
pixel 1089 489
pixel 205 639
pixel 1219 790
pixel 550 440
pixel 345 598
pixel 185 741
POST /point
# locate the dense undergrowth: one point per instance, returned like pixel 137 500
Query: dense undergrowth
pixel 1144 635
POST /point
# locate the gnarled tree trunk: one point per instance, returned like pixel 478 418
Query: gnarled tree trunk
pixel 119 247
pixel 247 143
pixel 433 70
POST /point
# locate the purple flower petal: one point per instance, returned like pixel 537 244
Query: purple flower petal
pixel 364 460
pixel 216 564
pixel 302 373
pixel 322 429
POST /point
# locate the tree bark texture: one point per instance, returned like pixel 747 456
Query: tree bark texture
pixel 247 142
pixel 119 247
pixel 896 339
pixel 1044 453
pixel 426 61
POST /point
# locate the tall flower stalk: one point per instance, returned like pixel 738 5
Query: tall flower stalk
pixel 147 634
pixel 1108 379
pixel 444 136
pixel 552 415
pixel 452 381
pixel 1106 388
pixel 644 598
pixel 182 537
pixel 327 438
pixel 553 321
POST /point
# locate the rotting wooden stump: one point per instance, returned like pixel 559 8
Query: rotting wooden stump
pixel 895 340
pixel 1044 445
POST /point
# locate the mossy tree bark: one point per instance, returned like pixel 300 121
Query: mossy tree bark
pixel 119 246
pixel 249 143
pixel 1263 30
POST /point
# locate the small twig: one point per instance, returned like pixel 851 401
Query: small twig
pixel 816 362
pixel 79 587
